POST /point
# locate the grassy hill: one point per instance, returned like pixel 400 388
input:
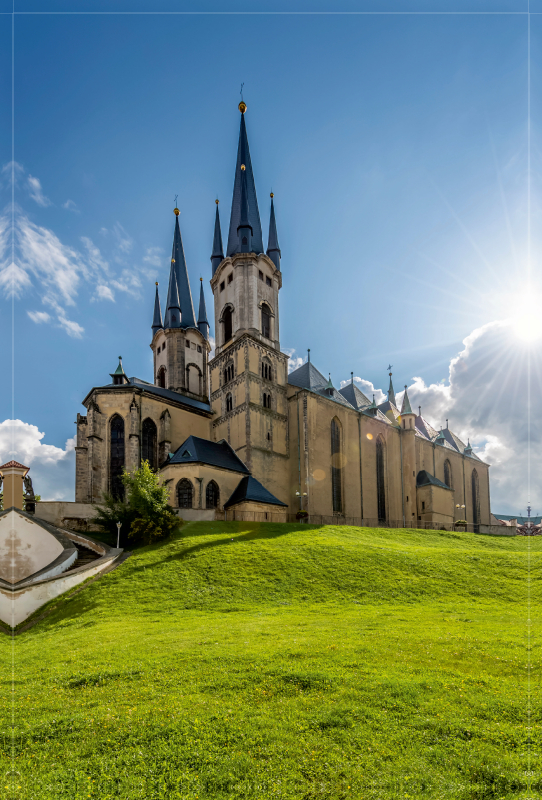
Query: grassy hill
pixel 283 661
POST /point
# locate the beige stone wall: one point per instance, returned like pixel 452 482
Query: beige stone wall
pixel 183 354
pixel 257 512
pixel 173 424
pixel 199 476
pixel 435 504
pixel 310 417
pixel 237 284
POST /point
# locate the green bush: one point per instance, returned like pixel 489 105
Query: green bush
pixel 144 512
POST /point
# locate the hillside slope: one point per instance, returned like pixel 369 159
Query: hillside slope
pixel 284 661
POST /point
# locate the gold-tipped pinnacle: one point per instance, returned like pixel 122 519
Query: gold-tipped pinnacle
pixel 242 107
pixel 176 212
pixel 243 167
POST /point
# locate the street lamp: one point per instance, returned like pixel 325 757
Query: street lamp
pixel 119 526
pixel 301 496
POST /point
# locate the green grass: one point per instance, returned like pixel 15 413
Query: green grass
pixel 284 661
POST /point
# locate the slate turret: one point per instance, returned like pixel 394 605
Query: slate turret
pixel 273 249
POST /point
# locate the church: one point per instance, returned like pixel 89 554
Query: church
pixel 234 435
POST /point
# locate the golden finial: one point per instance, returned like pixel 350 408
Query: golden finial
pixel 201 279
pixel 217 201
pixel 172 260
pixel 243 167
pixel 176 212
pixel 242 107
pixel 271 195
pixel 156 283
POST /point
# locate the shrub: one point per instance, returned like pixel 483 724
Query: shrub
pixel 145 513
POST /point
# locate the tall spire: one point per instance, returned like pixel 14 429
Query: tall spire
pixel 391 393
pixel 243 157
pixel 183 284
pixel 273 249
pixel 405 408
pixel 203 324
pixel 173 317
pixel 218 249
pixel 244 229
pixel 157 319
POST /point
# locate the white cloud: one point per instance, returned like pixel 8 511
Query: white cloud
pixel 124 240
pixel 72 328
pixel 153 256
pixel 23 442
pixel 39 316
pixel 69 205
pixel 11 172
pixel 212 342
pixel 36 192
pixel 57 267
pixel 104 293
pixel 293 361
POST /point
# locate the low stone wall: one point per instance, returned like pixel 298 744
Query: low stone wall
pixel 65 514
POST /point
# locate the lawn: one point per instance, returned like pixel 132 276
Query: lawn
pixel 284 661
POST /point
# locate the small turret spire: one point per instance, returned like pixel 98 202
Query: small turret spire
pixel 309 355
pixel 218 250
pixel 273 249
pixel 405 408
pixel 203 324
pixel 157 319
pixel 119 376
pixel 391 393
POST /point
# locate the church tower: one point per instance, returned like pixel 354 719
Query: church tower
pixel 180 346
pixel 248 373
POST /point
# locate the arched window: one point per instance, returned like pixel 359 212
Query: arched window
pixel 336 467
pixel 228 372
pixel 184 493
pixel 116 460
pixel 227 324
pixel 266 371
pixel 161 377
pixel 448 473
pixel 229 402
pixel 475 501
pixel 212 495
pixel 148 443
pixel 266 321
pixel 380 480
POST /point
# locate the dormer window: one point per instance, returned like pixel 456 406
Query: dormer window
pixel 186 454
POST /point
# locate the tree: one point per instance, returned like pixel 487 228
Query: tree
pixel 145 513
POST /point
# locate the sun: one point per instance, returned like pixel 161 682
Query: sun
pixel 527 319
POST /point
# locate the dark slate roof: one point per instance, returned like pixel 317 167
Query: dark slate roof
pixel 201 451
pixel 307 377
pixel 249 489
pixel 243 157
pixel 425 478
pixel 157 319
pixel 355 396
pixel 188 318
pixel 386 406
pixel 426 428
pixel 218 250
pixel 202 314
pixel 167 394
pixel 332 394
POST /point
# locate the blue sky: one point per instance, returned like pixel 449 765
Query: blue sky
pixel 396 147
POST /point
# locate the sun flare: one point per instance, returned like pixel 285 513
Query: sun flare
pixel 527 321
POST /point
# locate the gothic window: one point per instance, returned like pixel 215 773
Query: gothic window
pixel 184 494
pixel 266 321
pixel 227 324
pixel 380 480
pixel 148 443
pixel 266 400
pixel 228 373
pixel 448 473
pixel 266 371
pixel 161 378
pixel 229 402
pixel 212 495
pixel 475 500
pixel 336 471
pixel 116 461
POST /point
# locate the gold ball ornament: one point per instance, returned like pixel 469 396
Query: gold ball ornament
pixel 217 201
pixel 271 195
pixel 242 107
pixel 243 167
pixel 176 212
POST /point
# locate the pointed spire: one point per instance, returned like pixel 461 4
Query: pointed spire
pixel 405 408
pixel 173 316
pixel 391 393
pixel 273 249
pixel 218 250
pixel 309 355
pixel 243 157
pixel 352 378
pixel 203 324
pixel 244 229
pixel 157 319
pixel 178 262
pixel 468 448
pixel 119 376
